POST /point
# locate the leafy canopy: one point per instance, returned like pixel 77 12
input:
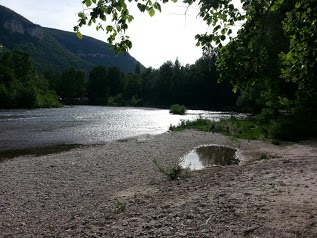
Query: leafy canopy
pixel 114 17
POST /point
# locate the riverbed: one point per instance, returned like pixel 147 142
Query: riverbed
pixel 115 190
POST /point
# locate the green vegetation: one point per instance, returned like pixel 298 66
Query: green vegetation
pixel 246 129
pixel 21 86
pixel 198 124
pixel 249 129
pixel 191 85
pixel 172 171
pixel 119 207
pixel 178 109
pixel 278 130
pixel 58 50
pixel 268 156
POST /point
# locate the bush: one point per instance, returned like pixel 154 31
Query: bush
pixel 289 129
pixel 26 97
pixel 173 171
pixel 178 109
pixel 48 100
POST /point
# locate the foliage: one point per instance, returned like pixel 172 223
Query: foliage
pixel 21 86
pixel 178 109
pixel 283 128
pixel 288 128
pixel 268 156
pixel 103 83
pixel 199 124
pixel 58 50
pixel 246 129
pixel 162 87
pixel 195 86
pixel 48 100
pixel 73 84
pixel 173 171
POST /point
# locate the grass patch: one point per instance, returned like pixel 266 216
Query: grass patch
pixel 198 124
pixel 178 109
pixel 119 207
pixel 280 130
pixel 245 129
pixel 173 171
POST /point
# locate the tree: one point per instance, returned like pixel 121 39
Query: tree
pixel 20 85
pixel 99 85
pixel 73 83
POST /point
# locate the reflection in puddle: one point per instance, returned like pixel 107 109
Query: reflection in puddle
pixel 210 155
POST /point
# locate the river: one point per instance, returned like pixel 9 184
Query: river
pixel 83 125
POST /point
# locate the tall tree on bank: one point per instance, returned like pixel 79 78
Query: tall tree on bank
pixel 20 84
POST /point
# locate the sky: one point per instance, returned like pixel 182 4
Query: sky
pixel 166 36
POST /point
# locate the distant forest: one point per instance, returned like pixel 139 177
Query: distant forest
pixel 195 86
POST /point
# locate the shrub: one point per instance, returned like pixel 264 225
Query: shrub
pixel 268 156
pixel 119 207
pixel 178 109
pixel 289 129
pixel 48 100
pixel 173 171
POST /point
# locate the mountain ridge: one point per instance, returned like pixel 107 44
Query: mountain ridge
pixel 57 50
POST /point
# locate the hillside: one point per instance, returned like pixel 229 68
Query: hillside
pixel 94 51
pixel 55 49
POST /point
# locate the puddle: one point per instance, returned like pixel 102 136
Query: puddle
pixel 210 155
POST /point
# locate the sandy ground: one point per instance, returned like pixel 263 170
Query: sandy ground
pixel 114 190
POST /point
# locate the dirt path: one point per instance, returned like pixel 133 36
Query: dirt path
pixel 113 190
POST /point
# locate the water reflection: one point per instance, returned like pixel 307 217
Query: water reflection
pixel 20 129
pixel 210 155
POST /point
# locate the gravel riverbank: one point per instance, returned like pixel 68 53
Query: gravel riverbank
pixel 114 190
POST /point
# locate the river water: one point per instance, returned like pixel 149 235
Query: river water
pixel 21 129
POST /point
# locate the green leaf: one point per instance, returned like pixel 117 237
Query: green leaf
pixel 81 15
pixel 174 1
pixel 297 5
pixel 94 1
pixel 109 28
pixel 151 12
pixel 79 35
pixel 157 6
pixel 216 28
pixel 141 7
pixel 88 3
